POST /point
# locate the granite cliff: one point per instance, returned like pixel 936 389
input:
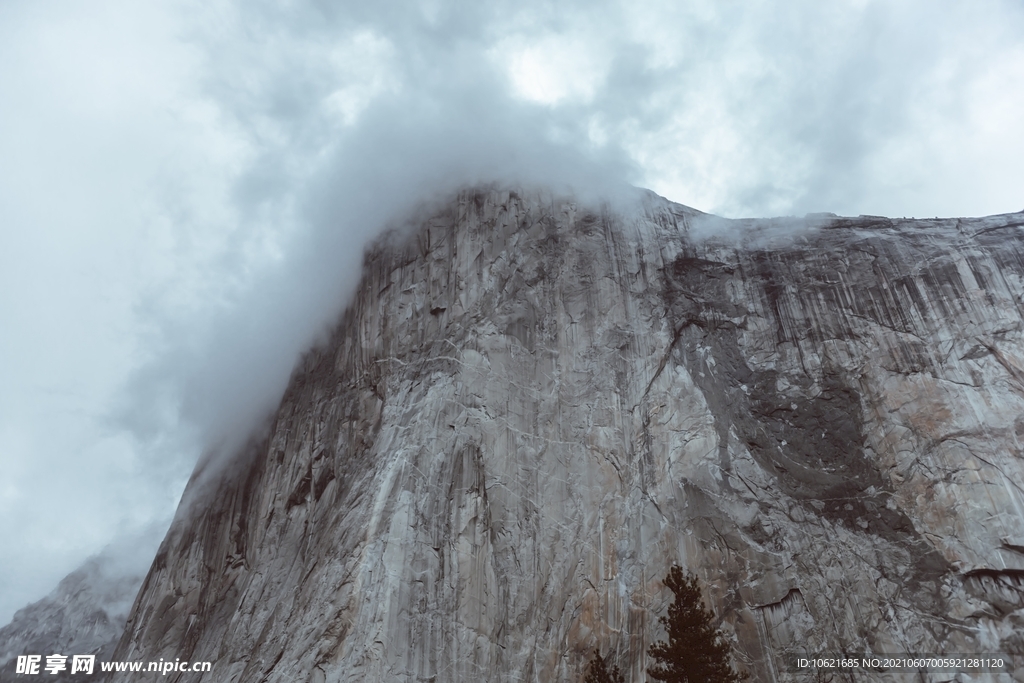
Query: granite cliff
pixel 532 409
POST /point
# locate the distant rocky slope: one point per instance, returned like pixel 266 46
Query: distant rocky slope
pixel 85 614
pixel 533 408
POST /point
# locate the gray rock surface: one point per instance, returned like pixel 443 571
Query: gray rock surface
pixel 532 409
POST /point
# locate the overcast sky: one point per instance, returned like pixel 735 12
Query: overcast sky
pixel 186 187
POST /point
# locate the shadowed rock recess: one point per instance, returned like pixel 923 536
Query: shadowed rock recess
pixel 532 409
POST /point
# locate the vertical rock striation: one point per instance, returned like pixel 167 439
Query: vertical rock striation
pixel 531 410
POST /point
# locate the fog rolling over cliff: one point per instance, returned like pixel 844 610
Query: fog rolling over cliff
pixel 533 407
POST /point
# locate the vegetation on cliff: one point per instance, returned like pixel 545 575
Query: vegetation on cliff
pixel 696 651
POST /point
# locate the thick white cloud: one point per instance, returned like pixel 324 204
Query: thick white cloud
pixel 186 188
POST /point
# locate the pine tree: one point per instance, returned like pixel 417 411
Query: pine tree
pixel 696 651
pixel 598 672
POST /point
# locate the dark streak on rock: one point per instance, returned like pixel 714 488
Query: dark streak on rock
pixel 810 440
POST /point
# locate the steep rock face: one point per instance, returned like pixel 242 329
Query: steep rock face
pixel 531 410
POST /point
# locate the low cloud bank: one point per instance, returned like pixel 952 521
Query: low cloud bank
pixel 223 363
pixel 352 114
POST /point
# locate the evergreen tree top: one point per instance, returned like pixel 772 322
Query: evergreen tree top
pixel 695 652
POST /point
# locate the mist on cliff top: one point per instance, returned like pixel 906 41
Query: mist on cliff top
pixel 188 187
pixel 354 114
pixel 218 369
